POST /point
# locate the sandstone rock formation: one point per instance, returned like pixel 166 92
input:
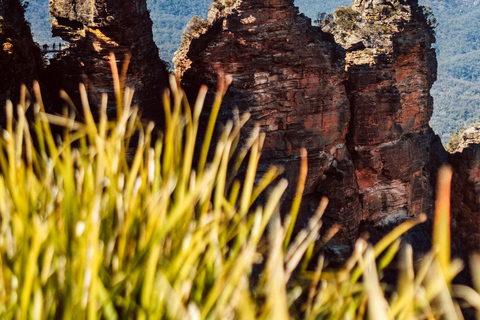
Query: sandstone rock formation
pixel 95 28
pixel 362 112
pixel 391 68
pixel 20 58
pixel 465 160
pixel 289 76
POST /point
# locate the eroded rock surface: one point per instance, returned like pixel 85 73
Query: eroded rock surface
pixel 391 68
pixel 361 112
pixel 289 76
pixel 95 28
pixel 465 160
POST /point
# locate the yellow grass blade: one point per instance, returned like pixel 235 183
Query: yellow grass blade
pixel 441 224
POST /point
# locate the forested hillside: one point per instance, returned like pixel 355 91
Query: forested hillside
pixel 169 20
pixel 457 90
pixel 37 14
pixel 456 93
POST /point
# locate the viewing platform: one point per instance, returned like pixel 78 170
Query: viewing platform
pixel 55 47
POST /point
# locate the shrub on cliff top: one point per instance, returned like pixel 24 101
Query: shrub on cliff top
pixel 220 5
pixel 194 28
pixel 346 18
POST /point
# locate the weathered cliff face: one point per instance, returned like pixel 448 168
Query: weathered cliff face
pixel 465 161
pixel 362 113
pixel 20 58
pixel 390 68
pixel 289 76
pixel 95 28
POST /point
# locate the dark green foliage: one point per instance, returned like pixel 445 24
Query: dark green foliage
pixel 170 19
pixel 219 6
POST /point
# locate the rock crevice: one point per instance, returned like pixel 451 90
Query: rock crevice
pixel 94 28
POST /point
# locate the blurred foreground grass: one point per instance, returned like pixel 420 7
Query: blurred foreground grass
pixel 106 223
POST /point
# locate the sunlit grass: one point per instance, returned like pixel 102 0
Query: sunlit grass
pixel 104 221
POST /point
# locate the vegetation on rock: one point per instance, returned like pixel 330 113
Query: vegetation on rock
pixel 460 137
pixel 194 28
pixel 371 24
pixel 346 18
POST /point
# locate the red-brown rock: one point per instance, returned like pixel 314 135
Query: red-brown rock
pixel 96 28
pixel 289 76
pixel 389 80
pixel 465 161
pixel 373 154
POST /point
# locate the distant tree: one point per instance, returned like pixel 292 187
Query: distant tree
pixel 322 19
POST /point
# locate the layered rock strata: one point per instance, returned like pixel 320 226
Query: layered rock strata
pixel 391 68
pixel 465 160
pixel 289 76
pixel 94 28
pixel 20 58
pixel 362 112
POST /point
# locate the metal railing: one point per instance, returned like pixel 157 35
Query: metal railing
pixel 55 47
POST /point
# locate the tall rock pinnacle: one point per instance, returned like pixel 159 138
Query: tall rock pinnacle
pixel 95 28
pixel 289 75
pixel 391 68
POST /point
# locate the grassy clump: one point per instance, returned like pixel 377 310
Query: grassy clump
pixel 457 138
pixel 105 222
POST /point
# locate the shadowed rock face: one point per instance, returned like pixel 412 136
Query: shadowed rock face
pixel 465 161
pixel 362 112
pixel 95 28
pixel 390 68
pixel 289 76
pixel 20 58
